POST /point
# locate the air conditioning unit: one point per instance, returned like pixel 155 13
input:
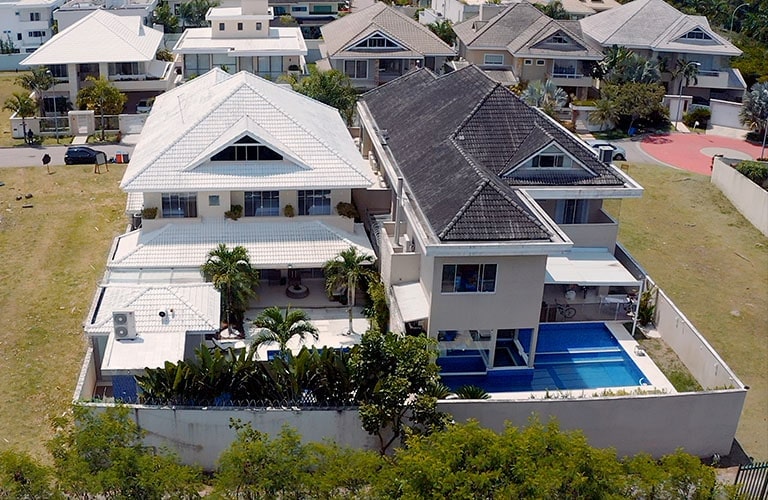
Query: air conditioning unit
pixel 124 324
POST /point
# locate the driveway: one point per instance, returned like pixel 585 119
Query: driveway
pixel 693 152
pixel 31 156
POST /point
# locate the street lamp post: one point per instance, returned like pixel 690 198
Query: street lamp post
pixel 680 93
pixel 55 113
pixel 734 14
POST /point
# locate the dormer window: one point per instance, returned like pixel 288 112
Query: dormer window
pixel 559 39
pixel 549 160
pixel 697 34
pixel 247 149
pixel 377 41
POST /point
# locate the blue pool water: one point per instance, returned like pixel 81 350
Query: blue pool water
pixel 568 356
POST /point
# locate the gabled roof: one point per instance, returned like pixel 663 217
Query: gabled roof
pixel 523 29
pixel 192 122
pixel 453 137
pixel 281 41
pixel 99 37
pixel 344 32
pixel 655 25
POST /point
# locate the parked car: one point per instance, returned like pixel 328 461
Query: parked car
pixel 618 152
pixel 81 154
pixel 145 105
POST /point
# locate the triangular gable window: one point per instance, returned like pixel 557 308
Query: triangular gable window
pixel 247 149
pixel 377 41
pixel 559 40
pixel 549 158
pixel 696 34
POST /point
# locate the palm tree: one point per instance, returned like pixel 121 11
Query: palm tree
pixel 231 273
pixel 38 81
pixel 555 10
pixel 346 270
pixel 23 105
pixel 606 113
pixel 687 71
pixel 444 31
pixel 282 327
pixel 545 95
pixel 754 112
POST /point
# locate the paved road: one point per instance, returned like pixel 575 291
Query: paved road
pixel 31 156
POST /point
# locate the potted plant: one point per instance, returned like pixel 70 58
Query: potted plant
pixel 234 213
pixel 288 211
pixel 149 213
pixel 347 210
pixel 646 310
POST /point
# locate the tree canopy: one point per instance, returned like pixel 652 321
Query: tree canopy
pixel 38 80
pixel 444 30
pixel 347 270
pixel 333 88
pixel 193 13
pixel 553 9
pixel 754 113
pixel 103 98
pixel 280 328
pixel 231 272
pixel 23 105
pixel 630 103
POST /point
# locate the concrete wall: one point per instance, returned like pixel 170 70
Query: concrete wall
pixel 10 62
pixel 725 113
pixel 749 199
pixel 700 423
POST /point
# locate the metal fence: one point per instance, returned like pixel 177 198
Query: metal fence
pixel 752 481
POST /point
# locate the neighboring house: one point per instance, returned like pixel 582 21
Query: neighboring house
pixel 660 32
pixel 379 44
pixel 217 141
pixel 526 45
pixel 103 44
pixel 27 24
pixel 457 11
pixel 74 10
pixel 579 9
pixel 497 217
pixel 241 39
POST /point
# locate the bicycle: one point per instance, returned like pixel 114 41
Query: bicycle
pixel 565 310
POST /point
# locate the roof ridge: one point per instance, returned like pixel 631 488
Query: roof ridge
pixel 474 110
pixel 463 209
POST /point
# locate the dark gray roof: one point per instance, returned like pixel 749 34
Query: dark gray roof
pixel 454 136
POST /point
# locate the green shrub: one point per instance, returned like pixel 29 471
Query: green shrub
pixel 756 171
pixel 149 213
pixel 347 210
pixel 701 115
pixel 234 213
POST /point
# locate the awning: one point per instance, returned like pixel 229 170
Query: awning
pixel 588 268
pixel 411 301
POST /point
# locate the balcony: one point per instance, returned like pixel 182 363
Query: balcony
pixel 600 231
pixel 718 79
pixel 159 76
pixel 571 74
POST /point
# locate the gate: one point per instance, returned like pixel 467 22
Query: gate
pixel 752 481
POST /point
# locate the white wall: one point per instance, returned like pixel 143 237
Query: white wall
pixel 725 113
pixel 749 199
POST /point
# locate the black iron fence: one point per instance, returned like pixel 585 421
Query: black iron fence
pixel 752 481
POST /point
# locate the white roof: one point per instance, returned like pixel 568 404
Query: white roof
pixel 412 301
pixel 588 267
pixel 280 42
pixel 99 37
pixel 190 123
pixel 302 244
pixel 190 308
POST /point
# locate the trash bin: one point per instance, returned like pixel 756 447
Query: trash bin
pixel 121 157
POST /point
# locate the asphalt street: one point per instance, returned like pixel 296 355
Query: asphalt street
pixel 31 156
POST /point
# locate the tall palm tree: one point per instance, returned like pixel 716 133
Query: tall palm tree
pixel 38 81
pixel 686 71
pixel 231 273
pixel 282 327
pixel 346 270
pixel 23 105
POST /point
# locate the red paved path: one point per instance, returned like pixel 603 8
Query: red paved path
pixel 685 150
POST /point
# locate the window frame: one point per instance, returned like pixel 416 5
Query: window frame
pixel 487 63
pixel 355 75
pixel 261 203
pixel 307 201
pixel 557 158
pixel 540 62
pixel 485 278
pixel 179 205
pixel 222 26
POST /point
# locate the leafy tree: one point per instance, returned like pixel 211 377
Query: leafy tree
pixel 333 88
pixel 231 273
pixel 553 9
pixel 347 269
pixel 193 13
pixel 545 95
pixel 103 98
pixel 631 102
pixel 621 65
pixel 753 63
pixel 23 478
pixel 444 30
pixel 378 310
pixel 393 374
pixel 164 16
pixel 754 112
pixel 282 327
pixel 102 455
pixel 38 81
pixel 23 105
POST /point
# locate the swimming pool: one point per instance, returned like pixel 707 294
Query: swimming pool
pixel 568 356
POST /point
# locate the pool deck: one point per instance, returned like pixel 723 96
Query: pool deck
pixel 657 380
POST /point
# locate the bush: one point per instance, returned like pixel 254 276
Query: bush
pixel 701 115
pixel 755 171
pixel 289 211
pixel 234 213
pixel 149 213
pixel 347 210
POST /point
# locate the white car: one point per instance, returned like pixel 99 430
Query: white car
pixel 618 152
pixel 145 105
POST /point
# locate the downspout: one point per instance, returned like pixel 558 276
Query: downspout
pixel 398 210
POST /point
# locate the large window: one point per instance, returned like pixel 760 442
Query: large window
pixel 377 42
pixel 572 211
pixel 262 203
pixel 697 34
pixel 469 278
pixel 247 149
pixel 315 202
pixel 58 70
pixel 177 205
pixel 357 70
pixel 196 64
pixel 493 59
pixel 549 161
pixel 125 68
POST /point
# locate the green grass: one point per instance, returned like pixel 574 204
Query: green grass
pixel 714 265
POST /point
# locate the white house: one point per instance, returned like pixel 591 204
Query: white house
pixel 241 39
pixel 102 44
pixel 74 10
pixel 213 143
pixel 27 23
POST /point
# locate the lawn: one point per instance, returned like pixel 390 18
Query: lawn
pixel 714 265
pixel 53 255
